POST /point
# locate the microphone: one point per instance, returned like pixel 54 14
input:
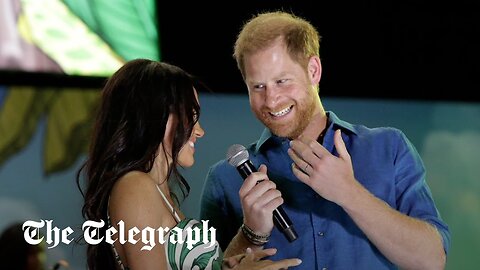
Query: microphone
pixel 237 156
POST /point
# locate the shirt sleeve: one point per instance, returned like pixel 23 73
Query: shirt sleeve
pixel 213 208
pixel 414 197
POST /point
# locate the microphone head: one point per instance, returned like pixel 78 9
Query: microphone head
pixel 237 154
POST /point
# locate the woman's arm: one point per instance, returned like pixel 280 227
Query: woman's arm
pixel 136 202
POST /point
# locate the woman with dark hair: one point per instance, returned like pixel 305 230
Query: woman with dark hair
pixel 16 253
pixel 146 127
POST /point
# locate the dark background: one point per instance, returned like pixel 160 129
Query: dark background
pixel 424 50
pixel 401 50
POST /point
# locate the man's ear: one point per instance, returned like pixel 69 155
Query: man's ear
pixel 314 69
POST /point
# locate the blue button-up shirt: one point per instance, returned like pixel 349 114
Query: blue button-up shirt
pixel 384 162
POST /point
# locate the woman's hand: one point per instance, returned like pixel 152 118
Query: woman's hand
pixel 252 260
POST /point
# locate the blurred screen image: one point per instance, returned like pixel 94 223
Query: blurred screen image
pixel 86 38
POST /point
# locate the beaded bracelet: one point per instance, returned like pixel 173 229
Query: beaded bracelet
pixel 252 237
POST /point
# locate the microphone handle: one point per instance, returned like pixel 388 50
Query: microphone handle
pixel 280 218
pixel 246 168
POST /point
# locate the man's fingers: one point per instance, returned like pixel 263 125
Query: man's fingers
pixel 340 146
pixel 307 150
pixel 251 181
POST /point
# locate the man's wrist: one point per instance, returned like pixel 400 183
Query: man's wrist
pixel 253 237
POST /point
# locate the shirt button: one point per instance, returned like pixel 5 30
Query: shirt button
pixel 324 268
pixel 321 234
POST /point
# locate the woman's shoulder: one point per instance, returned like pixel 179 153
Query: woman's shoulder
pixel 133 184
pixel 135 195
pixel 134 177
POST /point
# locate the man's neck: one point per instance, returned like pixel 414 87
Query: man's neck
pixel 315 129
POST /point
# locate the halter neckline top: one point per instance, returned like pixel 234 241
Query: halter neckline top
pixel 202 255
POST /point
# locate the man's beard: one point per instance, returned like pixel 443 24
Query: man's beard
pixel 295 127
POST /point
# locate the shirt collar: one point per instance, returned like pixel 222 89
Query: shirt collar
pixel 333 120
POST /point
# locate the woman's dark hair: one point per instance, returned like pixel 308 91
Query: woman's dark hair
pixel 14 250
pixel 130 126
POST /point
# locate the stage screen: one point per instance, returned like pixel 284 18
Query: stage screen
pixel 74 37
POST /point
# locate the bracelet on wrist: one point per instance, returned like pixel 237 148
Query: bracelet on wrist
pixel 254 238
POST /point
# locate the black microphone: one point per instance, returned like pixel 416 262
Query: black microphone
pixel 237 156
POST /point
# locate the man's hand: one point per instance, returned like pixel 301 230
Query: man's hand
pixel 259 197
pixel 330 176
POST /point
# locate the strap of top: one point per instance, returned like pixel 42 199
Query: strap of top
pixel 172 210
pixel 174 213
pixel 115 252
